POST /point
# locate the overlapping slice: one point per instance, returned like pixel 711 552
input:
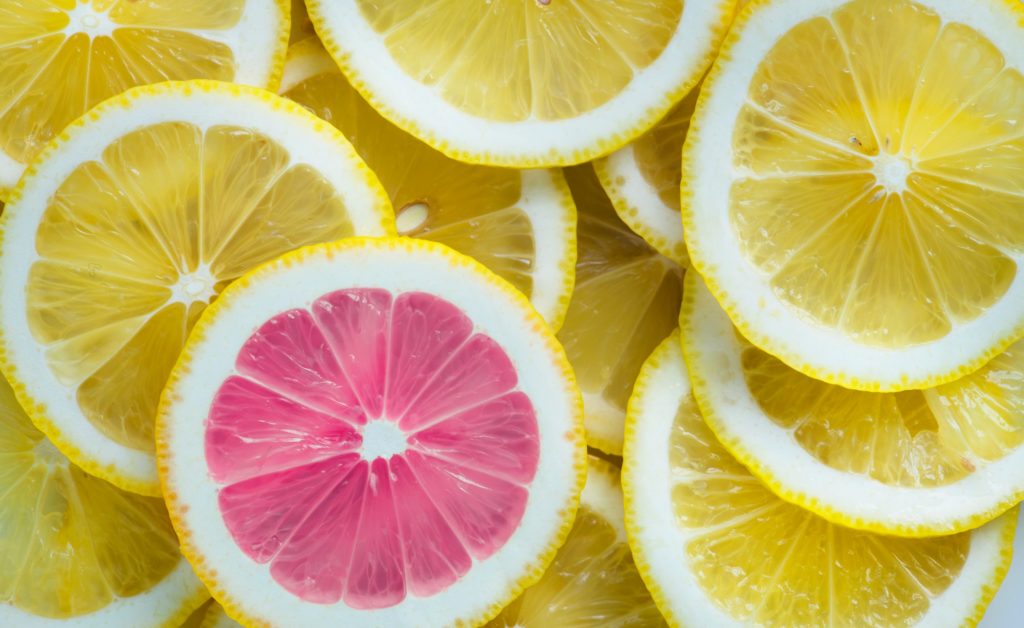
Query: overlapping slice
pixel 302 28
pixel 59 58
pixel 124 232
pixel 718 548
pixel 592 581
pixel 368 431
pixel 625 302
pixel 919 462
pixel 520 224
pixel 864 224
pixel 525 84
pixel 77 550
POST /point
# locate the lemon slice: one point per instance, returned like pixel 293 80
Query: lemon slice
pixel 717 548
pixel 58 59
pixel 522 83
pixel 215 617
pixel 76 550
pixel 301 26
pixel 122 232
pixel 592 581
pixel 864 222
pixel 642 180
pixel 520 224
pixel 626 301
pixel 912 463
pixel 368 431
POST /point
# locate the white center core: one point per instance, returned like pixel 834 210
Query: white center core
pixel 197 285
pixel 892 172
pixel 46 452
pixel 382 439
pixel 84 18
pixel 411 217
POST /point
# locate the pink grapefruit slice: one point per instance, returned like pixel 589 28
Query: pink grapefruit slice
pixel 367 431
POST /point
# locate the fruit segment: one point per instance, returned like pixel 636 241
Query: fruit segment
pixel 371 449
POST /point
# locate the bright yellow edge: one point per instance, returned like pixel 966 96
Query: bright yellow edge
pixel 208 573
pixel 555 158
pixel 633 525
pixel 36 409
pixel 628 212
pixel 753 464
pixel 188 606
pixel 699 259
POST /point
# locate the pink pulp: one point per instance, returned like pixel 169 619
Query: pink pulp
pixel 339 517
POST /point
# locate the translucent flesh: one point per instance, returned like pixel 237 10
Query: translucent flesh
pixel 592 582
pixel 123 237
pixel 472 209
pixel 888 265
pixel 53 70
pixel 626 301
pixel 659 152
pixel 287 440
pixel 762 560
pixel 71 544
pixel 509 60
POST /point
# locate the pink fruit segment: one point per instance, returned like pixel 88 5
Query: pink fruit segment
pixel 302 488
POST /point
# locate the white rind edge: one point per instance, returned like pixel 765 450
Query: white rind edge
pixel 251 39
pixel 167 102
pixel 662 544
pixel 716 357
pixel 411 103
pixel 749 296
pixel 276 288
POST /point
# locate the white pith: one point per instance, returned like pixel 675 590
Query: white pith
pixel 544 198
pixel 382 439
pixel 771 322
pixel 278 287
pixel 154 607
pixel 660 542
pixel 500 143
pixel 253 42
pixel 715 353
pixel 603 495
pixel 205 105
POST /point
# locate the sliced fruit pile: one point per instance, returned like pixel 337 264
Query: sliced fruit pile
pixel 510 314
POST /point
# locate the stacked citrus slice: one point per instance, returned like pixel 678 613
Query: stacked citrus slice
pixel 523 83
pixel 126 228
pixel 367 431
pixel 626 301
pixel 717 547
pixel 519 223
pixel 76 550
pixel 58 59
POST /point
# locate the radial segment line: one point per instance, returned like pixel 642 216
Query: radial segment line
pixel 855 77
pixel 806 133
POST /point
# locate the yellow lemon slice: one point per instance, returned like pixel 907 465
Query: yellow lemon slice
pixel 718 548
pixel 123 231
pixel 523 83
pixel 60 58
pixel 519 223
pixel 626 301
pixel 857 217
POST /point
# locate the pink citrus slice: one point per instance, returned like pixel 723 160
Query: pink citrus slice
pixel 367 428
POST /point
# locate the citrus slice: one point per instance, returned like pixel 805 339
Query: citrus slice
pixel 123 231
pixel 301 26
pixel 864 222
pixel 642 180
pixel 59 58
pixel 626 301
pixel 592 581
pixel 718 548
pixel 525 84
pixel 519 223
pixel 367 431
pixel 76 550
pixel 215 617
pixel 912 463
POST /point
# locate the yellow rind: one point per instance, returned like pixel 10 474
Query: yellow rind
pixel 555 158
pixel 36 409
pixel 761 472
pixel 532 320
pixel 188 606
pixel 633 524
pixel 603 445
pixel 990 589
pixel 629 214
pixel 700 260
